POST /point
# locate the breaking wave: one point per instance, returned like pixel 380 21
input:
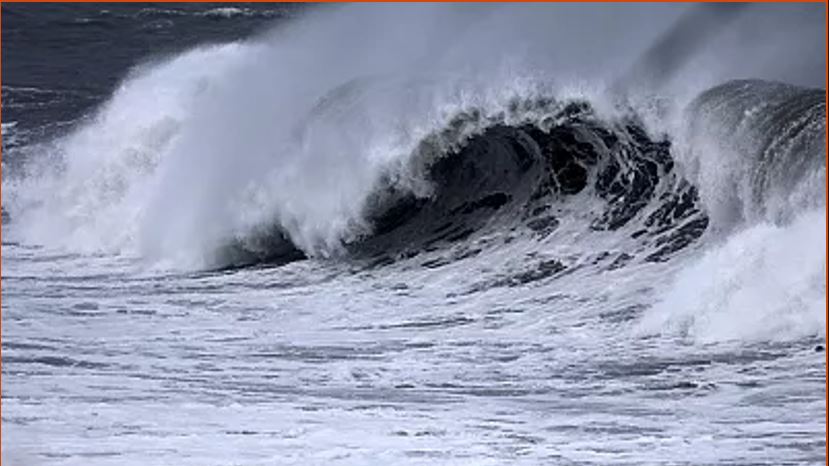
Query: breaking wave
pixel 234 163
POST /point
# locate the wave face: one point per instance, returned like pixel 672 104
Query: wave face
pixel 565 166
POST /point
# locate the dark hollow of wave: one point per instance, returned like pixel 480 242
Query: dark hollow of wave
pixel 512 178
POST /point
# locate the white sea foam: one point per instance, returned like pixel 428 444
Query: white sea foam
pixel 766 282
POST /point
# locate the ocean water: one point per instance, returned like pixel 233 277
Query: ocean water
pixel 413 234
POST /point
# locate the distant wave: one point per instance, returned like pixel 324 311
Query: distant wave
pixel 215 13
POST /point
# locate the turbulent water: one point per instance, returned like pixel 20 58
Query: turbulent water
pixel 454 234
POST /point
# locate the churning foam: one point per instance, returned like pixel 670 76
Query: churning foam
pixel 765 282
